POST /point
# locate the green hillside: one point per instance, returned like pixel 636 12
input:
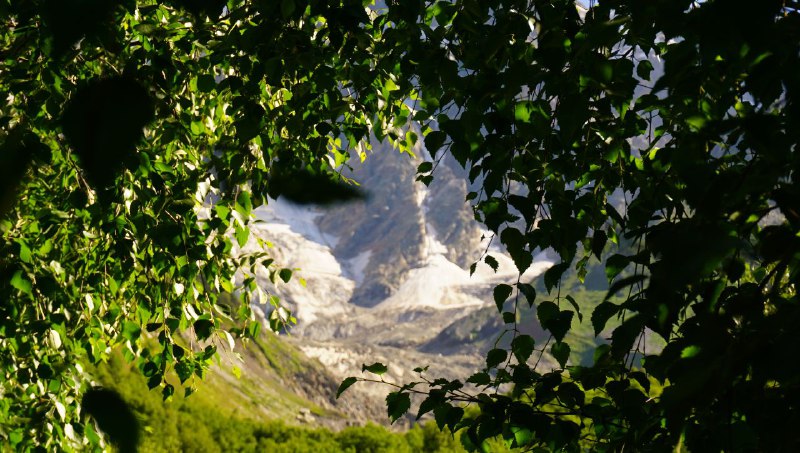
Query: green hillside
pixel 255 412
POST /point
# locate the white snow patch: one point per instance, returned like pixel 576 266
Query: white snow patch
pixel 419 198
pixel 299 219
pixel 440 283
pixel 355 267
pixel 334 359
pixel 432 244
pixel 434 285
pixel 507 270
pixel 299 243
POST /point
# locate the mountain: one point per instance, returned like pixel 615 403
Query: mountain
pixel 387 279
pixel 382 279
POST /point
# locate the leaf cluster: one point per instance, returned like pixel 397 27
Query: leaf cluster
pixel 654 139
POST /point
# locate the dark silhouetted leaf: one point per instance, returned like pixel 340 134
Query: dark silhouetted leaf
pixel 17 150
pixel 491 261
pixel 495 357
pixel 70 20
pixel 601 314
pixel 114 417
pixel 304 187
pixel 203 328
pixel 575 305
pixel 447 415
pixel 624 336
pixel 599 241
pixel 433 141
pixel 556 321
pixel 103 122
pixel 501 293
pixel 434 399
pixel 425 167
pixel 480 379
pixel 553 275
pixel 528 291
pixel 515 243
pixel 522 347
pixel 624 283
pixel 560 351
pixel 397 404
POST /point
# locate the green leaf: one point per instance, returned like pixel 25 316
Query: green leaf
pixel 501 294
pixel 345 385
pixel 131 331
pixel 397 404
pixel 522 436
pixel 696 122
pixel 522 111
pixel 24 252
pixel 690 351
pixel 376 368
pixel 21 283
pixel 242 234
pixel 244 203
pixel 197 128
pixel 285 275
pixel 522 347
pixel 615 264
pixel 560 352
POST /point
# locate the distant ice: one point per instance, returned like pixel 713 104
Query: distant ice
pixel 300 219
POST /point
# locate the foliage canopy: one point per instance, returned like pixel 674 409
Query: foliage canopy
pixel 123 121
